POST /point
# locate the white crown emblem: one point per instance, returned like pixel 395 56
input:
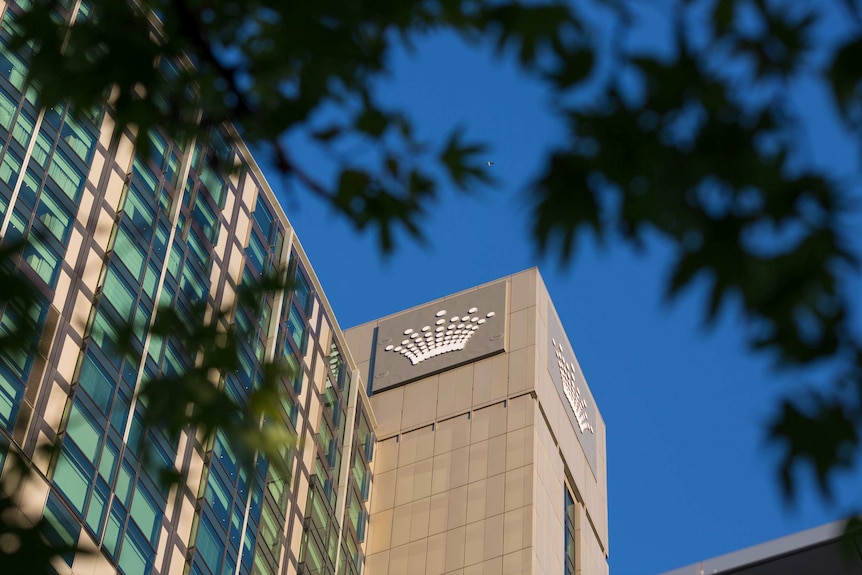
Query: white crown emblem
pixel 572 391
pixel 443 336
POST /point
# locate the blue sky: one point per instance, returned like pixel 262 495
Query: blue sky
pixel 690 475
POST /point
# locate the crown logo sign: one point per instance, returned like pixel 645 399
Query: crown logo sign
pixel 443 336
pixel 572 391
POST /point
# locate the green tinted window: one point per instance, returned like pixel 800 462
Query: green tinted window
pixel 129 252
pixel 214 184
pixel 41 148
pixel 44 261
pixel 54 216
pixel 119 294
pixel 108 461
pixel 362 476
pixel 145 513
pixel 205 217
pixel 96 511
pixel 73 479
pixel 124 483
pixel 263 217
pixel 7 109
pixel 10 168
pixel 78 138
pixel 84 432
pixel 133 559
pixel 365 436
pixel 66 175
pixel 150 280
pixel 256 253
pixel 97 384
pixel 23 129
pixel 13 68
pixel 139 210
pixel 200 254
pixel 302 288
pixel 296 327
pixel 113 530
pixel 357 517
pixel 208 545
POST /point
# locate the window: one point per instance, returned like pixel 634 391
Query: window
pixel 114 529
pixel 364 435
pixel 13 68
pixel 9 397
pixel 146 514
pixel 54 216
pixel 311 556
pixel 97 384
pixel 8 105
pixel 43 259
pixel 79 139
pixel 362 476
pixel 66 175
pixel 125 479
pixel 105 335
pixel 205 217
pixel 107 464
pixel 296 328
pixel 72 477
pixel 356 515
pixel 86 434
pixel 208 546
pixel 192 284
pixel 326 443
pixel 570 534
pixel 256 253
pixel 140 211
pixel 23 129
pixel 294 369
pixel 219 497
pixel 263 217
pixel 97 508
pixel 336 365
pixel 197 249
pixel 62 528
pixel 42 148
pixel 302 289
pixel 270 531
pixel 135 557
pixel 10 168
pixel 214 184
pixel 129 252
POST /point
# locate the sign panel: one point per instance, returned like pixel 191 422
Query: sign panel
pixel 439 336
pixel 569 379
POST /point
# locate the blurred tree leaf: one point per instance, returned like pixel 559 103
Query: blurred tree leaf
pixel 197 398
pixel 700 144
pixel 460 160
pixel 25 546
pixel 825 438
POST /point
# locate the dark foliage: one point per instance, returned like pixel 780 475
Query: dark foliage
pixel 703 148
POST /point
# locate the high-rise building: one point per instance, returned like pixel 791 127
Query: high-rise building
pixel 491 453
pixel 121 233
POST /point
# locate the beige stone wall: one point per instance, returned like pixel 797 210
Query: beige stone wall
pixel 590 489
pixel 456 496
pixel 471 463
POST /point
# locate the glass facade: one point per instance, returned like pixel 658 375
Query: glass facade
pixel 114 234
pixel 44 156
